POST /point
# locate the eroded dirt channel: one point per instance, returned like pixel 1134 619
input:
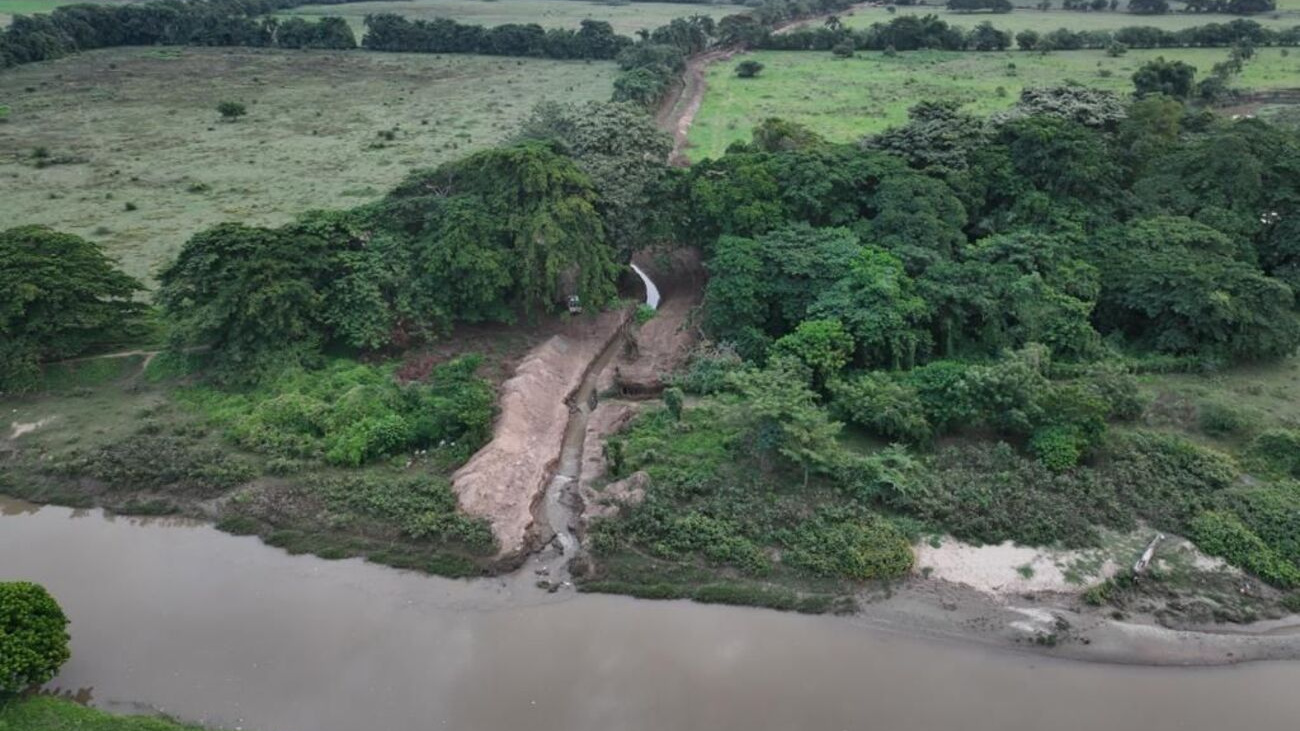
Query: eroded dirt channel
pixel 177 616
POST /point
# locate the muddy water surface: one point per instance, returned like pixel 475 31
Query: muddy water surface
pixel 225 630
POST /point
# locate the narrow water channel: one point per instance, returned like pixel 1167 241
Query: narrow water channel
pixel 228 631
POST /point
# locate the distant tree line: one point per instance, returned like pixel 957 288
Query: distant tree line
pixel 594 39
pixel 73 28
pixel 915 32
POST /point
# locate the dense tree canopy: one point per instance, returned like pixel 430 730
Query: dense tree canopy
pixel 506 232
pixel 59 297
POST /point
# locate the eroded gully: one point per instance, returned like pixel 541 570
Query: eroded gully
pixel 561 506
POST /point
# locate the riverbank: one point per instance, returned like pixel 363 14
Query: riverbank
pixel 227 632
pixel 53 713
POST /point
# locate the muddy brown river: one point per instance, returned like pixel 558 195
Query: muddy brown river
pixel 175 616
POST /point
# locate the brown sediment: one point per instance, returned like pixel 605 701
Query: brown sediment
pixel 506 480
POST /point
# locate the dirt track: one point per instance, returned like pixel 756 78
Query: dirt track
pixel 678 111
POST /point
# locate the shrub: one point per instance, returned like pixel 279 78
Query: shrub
pixel 1277 452
pixel 1219 419
pixel 1058 448
pixel 1165 478
pixel 748 69
pixel 836 543
pixel 33 636
pixel 1223 534
pixel 708 369
pixel 230 111
pixel 351 414
pixel 1272 512
pixel 989 494
pixel 673 402
pixel 884 406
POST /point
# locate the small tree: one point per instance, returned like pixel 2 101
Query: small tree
pixel 230 111
pixel 748 69
pixel 33 636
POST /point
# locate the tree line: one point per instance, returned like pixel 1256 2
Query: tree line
pixel 72 28
pixel 913 32
pixel 594 39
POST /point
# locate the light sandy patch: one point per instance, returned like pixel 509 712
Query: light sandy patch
pixel 1003 569
pixel 20 427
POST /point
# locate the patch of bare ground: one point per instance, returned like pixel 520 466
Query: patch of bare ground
pixel 505 481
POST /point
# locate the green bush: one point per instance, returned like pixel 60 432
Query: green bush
pixel 1272 512
pixel 990 494
pixel 1223 534
pixel 1276 452
pixel 884 406
pixel 708 370
pixel 351 414
pixel 1165 478
pixel 715 539
pixel 1221 420
pixel 1058 448
pixel 33 636
pixel 836 543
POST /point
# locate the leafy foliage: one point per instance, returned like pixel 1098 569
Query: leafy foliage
pixel 351 414
pixel 59 297
pixel 33 636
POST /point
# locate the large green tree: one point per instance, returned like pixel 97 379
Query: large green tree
pixel 59 297
pixel 1174 285
pixel 618 146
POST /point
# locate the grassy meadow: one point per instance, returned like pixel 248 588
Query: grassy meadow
pixel 626 18
pixel 844 99
pixel 124 146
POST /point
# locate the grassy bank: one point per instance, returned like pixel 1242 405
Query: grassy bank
pixel 48 713
pixel 343 462
pixel 124 146
pixel 844 99
pixel 722 522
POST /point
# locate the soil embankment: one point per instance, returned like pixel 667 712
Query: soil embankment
pixel 506 480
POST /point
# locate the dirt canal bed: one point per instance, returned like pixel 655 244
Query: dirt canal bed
pixel 227 631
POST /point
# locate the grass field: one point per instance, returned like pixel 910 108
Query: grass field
pixel 137 126
pixel 627 18
pixel 844 99
pixel 1026 18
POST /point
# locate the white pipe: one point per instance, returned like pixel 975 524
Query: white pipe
pixel 651 291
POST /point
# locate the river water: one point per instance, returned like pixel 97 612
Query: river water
pixel 227 631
